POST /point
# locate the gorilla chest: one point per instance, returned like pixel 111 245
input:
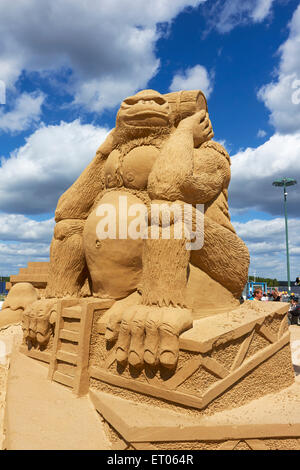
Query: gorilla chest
pixel 131 170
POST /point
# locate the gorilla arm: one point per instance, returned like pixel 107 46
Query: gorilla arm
pixel 193 175
pixel 68 272
pixel 211 174
pixel 77 201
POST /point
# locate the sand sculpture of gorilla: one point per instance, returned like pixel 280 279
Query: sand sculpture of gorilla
pixel 160 150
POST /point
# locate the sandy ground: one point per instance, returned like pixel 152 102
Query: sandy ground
pixel 10 338
pixel 43 415
pixel 58 420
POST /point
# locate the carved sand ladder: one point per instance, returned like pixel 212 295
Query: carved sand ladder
pixel 69 360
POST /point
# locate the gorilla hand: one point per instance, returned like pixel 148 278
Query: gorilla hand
pixel 200 125
pixel 38 320
pixel 148 334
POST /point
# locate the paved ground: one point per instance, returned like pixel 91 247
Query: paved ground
pixel 45 415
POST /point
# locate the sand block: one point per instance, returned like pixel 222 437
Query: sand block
pixel 267 423
pixel 223 361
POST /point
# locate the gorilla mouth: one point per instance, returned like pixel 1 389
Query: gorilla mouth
pixel 147 118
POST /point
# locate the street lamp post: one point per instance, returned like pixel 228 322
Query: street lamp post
pixel 284 182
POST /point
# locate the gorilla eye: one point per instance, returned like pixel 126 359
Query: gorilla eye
pixel 130 101
pixel 159 100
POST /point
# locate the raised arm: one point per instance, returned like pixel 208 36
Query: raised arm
pixel 77 201
pixel 211 174
pixel 190 167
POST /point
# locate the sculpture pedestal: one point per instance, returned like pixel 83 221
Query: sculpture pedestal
pixel 269 423
pixel 234 387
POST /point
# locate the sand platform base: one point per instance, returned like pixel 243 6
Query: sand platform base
pixel 269 423
pixel 234 386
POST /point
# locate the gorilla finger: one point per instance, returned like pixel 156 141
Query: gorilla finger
pixel 32 324
pixel 113 325
pixel 136 349
pixel 169 345
pixel 175 321
pixel 152 336
pixel 43 331
pixel 124 337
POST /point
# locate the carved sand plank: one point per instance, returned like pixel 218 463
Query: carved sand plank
pixel 184 373
pixel 213 433
pixel 81 379
pixel 214 366
pixel 228 445
pixel 69 335
pixel 110 358
pixel 148 389
pixel 175 427
pixel 111 416
pixel 256 444
pixel 67 357
pixel 242 351
pixel 192 345
pixel 119 445
pixel 268 334
pixel 220 387
pixel 143 446
pixel 58 326
pixel 72 312
pixel 283 324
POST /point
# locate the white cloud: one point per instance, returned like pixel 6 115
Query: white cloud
pixel 15 227
pixel 108 46
pixel 261 10
pixel 27 111
pixel 266 242
pixel 254 170
pixel 282 96
pixel 193 78
pixel 261 133
pixel 35 175
pixel 273 231
pixel 226 15
pixel 23 240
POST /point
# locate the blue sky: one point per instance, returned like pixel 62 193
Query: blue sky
pixel 67 65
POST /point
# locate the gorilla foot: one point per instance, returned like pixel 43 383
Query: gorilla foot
pixel 149 334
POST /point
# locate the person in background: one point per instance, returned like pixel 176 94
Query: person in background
pixel 265 297
pixel 294 312
pixel 276 295
pixel 270 296
pixel 285 297
pixel 257 294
